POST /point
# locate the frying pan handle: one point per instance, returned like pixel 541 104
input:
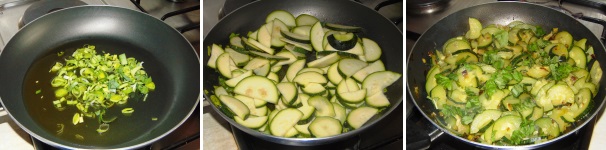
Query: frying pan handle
pixel 416 137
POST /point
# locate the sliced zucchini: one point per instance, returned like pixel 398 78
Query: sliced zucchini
pixel 560 94
pixel 556 115
pixel 317 36
pixel 349 66
pixel 547 127
pixel 483 119
pixel 341 41
pixel 537 113
pixel 565 38
pixel 302 30
pixel 303 46
pixel 234 81
pixel 372 50
pixel 333 74
pixel 284 16
pixel 260 46
pixel 342 28
pixel 371 68
pixel 560 50
pixel 456 45
pixel 467 55
pixel 278 26
pixel 294 68
pixel 296 37
pixel 322 105
pixel 238 58
pixel 303 129
pixel 267 56
pixel 286 54
pixel 538 71
pixel 340 112
pixel 324 61
pixel 299 53
pixel 263 70
pixel 314 89
pixel 583 99
pixel 306 20
pixel 325 127
pixel 485 40
pixel 284 120
pixel 505 126
pixel 252 122
pixel 542 99
pixel 264 34
pixel 596 74
pixel 320 71
pixel 355 96
pixel 309 77
pixel 493 101
pixel 289 92
pixel 377 81
pixel 256 63
pixel 223 65
pixel 258 87
pixel 234 105
pixel 377 100
pixel 215 51
pixel 359 116
pixel 474 29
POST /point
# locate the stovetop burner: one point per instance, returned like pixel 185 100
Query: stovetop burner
pixel 41 8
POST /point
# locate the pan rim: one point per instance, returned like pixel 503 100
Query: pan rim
pixel 482 145
pixel 55 144
pixel 308 141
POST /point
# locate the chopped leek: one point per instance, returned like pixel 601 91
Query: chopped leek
pixel 93 82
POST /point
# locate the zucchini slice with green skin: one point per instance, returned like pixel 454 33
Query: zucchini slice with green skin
pixel 547 127
pixel 286 54
pixel 258 87
pixel 324 61
pixel 317 36
pixel 296 37
pixel 284 16
pixel 234 81
pixel 347 85
pixel 302 30
pixel 342 28
pixel 325 127
pixel 299 53
pixel 537 113
pixel 349 66
pixel 264 34
pixel 475 28
pixel 252 122
pixel 504 126
pixel 304 129
pixel 354 96
pixel 294 68
pixel 485 40
pixel 267 56
pixel 284 120
pixel 359 116
pixel 556 115
pixel 320 71
pixel 467 55
pixel 238 58
pixel 560 94
pixel 596 74
pixel 560 50
pixel 306 20
pixel 333 74
pixel 377 100
pixel 493 101
pixel 372 50
pixel 483 119
pixel 289 92
pixel 314 89
pixel 263 70
pixel 275 33
pixel 223 65
pixel 262 47
pixel 304 46
pixel 310 77
pixel 234 105
pixel 456 45
pixel 583 99
pixel 215 51
pixel 377 81
pixel 322 105
pixel 371 68
pixel 565 38
pixel 256 63
pixel 431 81
pixel 340 112
pixel 542 98
pixel 342 41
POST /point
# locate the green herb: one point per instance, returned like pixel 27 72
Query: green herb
pixel 525 132
pixel 539 32
pixel 560 71
pixel 532 47
pixel 542 43
pixel 517 90
pixel 446 81
pixel 502 38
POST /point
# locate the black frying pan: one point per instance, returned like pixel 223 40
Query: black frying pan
pixel 494 13
pixel 169 59
pixel 252 16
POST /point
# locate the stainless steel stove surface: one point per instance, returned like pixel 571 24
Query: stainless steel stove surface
pixel 183 16
pixel 387 134
pixel 427 136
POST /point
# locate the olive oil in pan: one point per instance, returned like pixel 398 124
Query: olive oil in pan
pixel 59 122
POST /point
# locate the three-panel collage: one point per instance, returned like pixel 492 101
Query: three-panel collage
pixel 302 74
